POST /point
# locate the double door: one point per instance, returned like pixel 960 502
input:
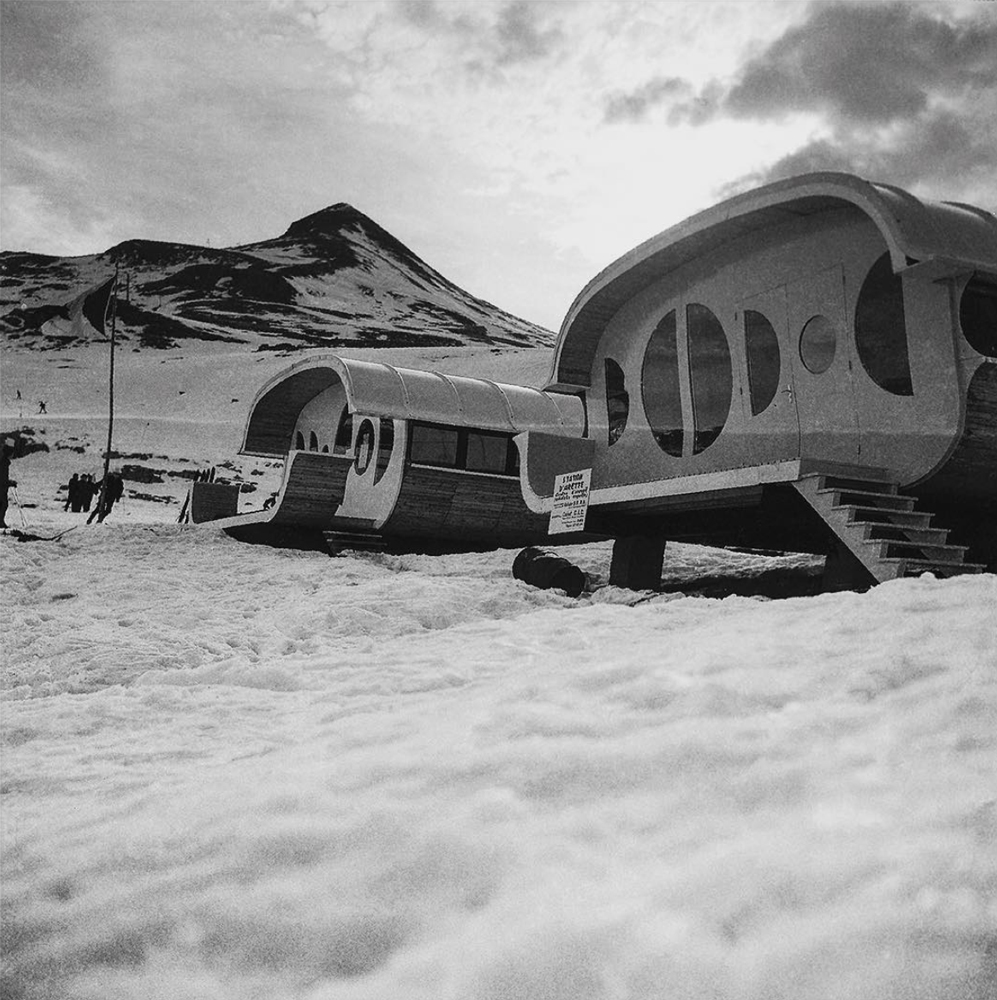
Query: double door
pixel 800 373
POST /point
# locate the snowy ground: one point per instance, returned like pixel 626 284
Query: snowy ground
pixel 233 772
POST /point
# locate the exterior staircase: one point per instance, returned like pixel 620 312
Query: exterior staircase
pixel 880 526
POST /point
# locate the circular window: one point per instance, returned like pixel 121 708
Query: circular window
pixel 817 343
pixel 363 451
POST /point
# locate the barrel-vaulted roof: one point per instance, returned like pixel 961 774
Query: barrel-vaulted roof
pixel 915 231
pixel 381 390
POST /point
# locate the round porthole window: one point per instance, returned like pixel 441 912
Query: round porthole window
pixel 363 451
pixel 817 344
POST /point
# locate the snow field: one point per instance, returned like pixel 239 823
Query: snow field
pixel 235 772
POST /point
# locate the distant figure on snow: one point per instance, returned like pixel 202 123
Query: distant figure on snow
pixel 73 494
pixel 87 491
pixel 114 489
pixel 41 406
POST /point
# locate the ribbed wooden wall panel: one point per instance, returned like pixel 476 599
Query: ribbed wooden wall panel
pixel 462 506
pixel 313 490
pixel 971 472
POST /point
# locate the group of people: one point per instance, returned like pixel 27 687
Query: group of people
pixel 81 491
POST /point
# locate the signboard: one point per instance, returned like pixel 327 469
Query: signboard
pixel 571 502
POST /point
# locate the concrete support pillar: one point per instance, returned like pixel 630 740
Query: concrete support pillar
pixel 844 571
pixel 637 561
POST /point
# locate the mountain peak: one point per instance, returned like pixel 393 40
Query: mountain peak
pixel 329 221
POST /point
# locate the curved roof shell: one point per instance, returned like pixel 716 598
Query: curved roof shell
pixel 382 390
pixel 914 231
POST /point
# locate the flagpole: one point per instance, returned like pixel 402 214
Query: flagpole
pixel 101 510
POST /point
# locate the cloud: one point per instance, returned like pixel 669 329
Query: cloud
pixel 464 43
pixel 634 106
pixel 520 36
pixel 938 155
pixel 871 63
pixel 866 63
pixel 165 113
pixel 904 92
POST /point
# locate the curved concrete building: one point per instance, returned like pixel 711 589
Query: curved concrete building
pixel 808 366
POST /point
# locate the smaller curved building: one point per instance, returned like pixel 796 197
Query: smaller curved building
pixel 811 365
pixel 427 460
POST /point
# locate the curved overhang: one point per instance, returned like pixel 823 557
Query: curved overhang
pixel 381 390
pixel 914 231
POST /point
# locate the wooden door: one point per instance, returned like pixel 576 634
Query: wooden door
pixel 768 393
pixel 822 358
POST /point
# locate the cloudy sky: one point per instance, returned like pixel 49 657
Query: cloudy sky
pixel 518 147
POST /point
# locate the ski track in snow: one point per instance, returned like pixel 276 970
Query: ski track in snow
pixel 237 772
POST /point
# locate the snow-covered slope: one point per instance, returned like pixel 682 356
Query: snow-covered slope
pixel 235 772
pixel 333 278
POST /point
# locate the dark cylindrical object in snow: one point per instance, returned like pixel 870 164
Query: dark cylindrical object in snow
pixel 548 572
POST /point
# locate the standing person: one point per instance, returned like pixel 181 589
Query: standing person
pixel 115 490
pixel 73 494
pixel 5 481
pixel 41 407
pixel 87 491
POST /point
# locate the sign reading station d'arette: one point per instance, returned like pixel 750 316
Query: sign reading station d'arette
pixel 571 502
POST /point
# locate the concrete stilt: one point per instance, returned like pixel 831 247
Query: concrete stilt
pixel 637 561
pixel 844 571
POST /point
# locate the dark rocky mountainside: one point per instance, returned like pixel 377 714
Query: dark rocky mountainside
pixel 334 278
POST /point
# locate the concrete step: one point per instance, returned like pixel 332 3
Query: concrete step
pixel 915 567
pixel 877 531
pixel 879 515
pixel 859 485
pixel 944 554
pixel 867 498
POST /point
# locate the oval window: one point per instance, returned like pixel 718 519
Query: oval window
pixel 978 316
pixel 363 451
pixel 881 329
pixel 817 344
pixel 617 400
pixel 386 442
pixel 711 377
pixel 764 363
pixel 312 441
pixel 659 385
pixel 344 434
pixel 299 441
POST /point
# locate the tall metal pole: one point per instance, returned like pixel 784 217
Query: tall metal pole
pixel 101 510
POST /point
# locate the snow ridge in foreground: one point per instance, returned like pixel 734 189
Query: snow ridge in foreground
pixel 234 772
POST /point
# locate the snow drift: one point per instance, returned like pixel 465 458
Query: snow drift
pixel 233 772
